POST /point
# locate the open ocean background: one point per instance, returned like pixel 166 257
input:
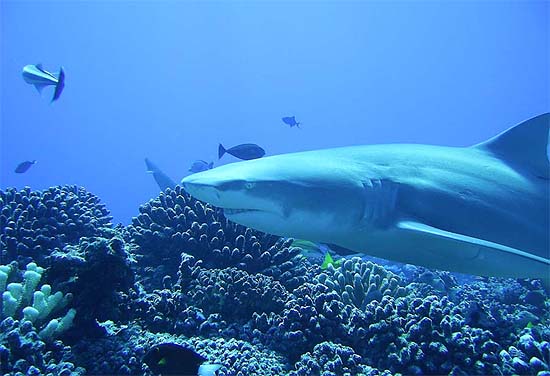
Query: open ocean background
pixel 171 80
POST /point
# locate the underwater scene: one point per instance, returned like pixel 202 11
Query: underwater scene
pixel 293 188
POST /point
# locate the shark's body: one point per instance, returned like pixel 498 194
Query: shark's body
pixel 39 77
pixel 480 210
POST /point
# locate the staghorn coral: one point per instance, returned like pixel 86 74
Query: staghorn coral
pixel 175 222
pixel 34 223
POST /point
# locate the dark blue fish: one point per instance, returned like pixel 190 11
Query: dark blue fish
pixel 174 359
pixel 24 166
pixel 243 151
pixel 200 165
pixel 291 120
pixel 40 78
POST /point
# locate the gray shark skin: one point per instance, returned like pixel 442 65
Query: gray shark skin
pixel 481 210
pixel 163 180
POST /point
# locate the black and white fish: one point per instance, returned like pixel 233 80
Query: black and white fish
pixel 40 78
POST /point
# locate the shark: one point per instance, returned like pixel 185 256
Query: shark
pixel 480 210
pixel 35 74
pixel 162 180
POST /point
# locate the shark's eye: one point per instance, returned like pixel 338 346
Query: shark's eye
pixel 249 185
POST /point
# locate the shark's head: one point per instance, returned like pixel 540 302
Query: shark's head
pixel 296 195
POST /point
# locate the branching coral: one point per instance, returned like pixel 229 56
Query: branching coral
pixel 23 352
pixel 23 301
pixel 233 293
pixel 359 282
pixel 34 223
pixel 330 359
pixel 175 223
pixel 246 294
pixel 99 272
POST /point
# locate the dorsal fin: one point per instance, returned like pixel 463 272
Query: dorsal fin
pixel 525 144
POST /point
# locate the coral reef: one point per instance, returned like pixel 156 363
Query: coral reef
pixel 175 223
pixel 99 273
pixel 339 304
pixel 34 223
pixel 222 290
pixel 23 352
pixel 330 359
pixel 33 304
pixel 121 352
pixel 182 273
pixel 359 282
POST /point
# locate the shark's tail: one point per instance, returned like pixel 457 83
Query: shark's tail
pixel 221 151
pixel 161 178
pixel 60 84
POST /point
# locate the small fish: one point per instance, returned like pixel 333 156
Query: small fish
pixel 310 249
pixel 24 166
pixel 329 261
pixel 291 120
pixel 174 359
pixel 305 244
pixel 200 165
pixel 243 151
pixel 40 78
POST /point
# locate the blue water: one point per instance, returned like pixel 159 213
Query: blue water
pixel 170 80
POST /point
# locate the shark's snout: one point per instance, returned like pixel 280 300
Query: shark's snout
pixel 201 189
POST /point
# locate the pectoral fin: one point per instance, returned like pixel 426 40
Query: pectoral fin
pixel 456 249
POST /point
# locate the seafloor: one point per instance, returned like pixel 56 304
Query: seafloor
pixel 182 273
